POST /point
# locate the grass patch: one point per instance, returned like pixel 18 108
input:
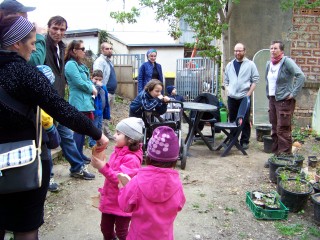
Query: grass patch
pixel 290 229
pixel 314 231
pixel 195 206
pixel 231 210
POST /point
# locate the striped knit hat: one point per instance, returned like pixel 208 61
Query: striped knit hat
pixel 18 31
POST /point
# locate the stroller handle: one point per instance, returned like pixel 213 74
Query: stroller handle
pixel 175 101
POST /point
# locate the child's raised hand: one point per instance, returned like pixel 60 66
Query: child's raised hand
pixel 123 179
pixel 94 91
pixel 97 163
pixel 160 96
pixel 166 99
pixel 98 158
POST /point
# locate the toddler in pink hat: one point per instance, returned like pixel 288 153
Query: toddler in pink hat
pixel 155 195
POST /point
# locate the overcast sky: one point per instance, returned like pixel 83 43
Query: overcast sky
pixel 90 14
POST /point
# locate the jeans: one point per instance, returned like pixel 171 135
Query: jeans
pixel 98 123
pixel 113 225
pixel 69 149
pixel 233 106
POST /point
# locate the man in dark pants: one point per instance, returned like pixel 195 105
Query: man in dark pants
pixel 55 48
pixel 240 79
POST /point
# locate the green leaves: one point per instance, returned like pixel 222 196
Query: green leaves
pixel 203 17
pixel 123 17
pixel 289 4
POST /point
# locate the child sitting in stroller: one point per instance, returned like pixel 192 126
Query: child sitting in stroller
pixel 150 99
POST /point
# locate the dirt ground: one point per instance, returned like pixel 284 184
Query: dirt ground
pixel 215 189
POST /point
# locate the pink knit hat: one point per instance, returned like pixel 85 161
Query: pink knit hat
pixel 163 146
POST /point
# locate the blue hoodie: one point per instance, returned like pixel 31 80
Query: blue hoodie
pixel 101 104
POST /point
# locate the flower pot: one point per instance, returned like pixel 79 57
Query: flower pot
pixel 317 177
pixel 316 206
pixel 316 187
pixel 274 163
pixel 261 131
pixel 312 161
pixel 291 172
pixel 267 144
pixel 294 195
pixel 297 159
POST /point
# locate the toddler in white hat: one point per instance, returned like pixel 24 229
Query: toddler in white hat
pixel 125 159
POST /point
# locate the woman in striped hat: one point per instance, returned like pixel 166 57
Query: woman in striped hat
pixel 22 212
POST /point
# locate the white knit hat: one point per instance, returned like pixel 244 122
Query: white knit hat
pixel 132 127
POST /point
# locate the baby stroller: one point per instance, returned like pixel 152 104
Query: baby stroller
pixel 172 118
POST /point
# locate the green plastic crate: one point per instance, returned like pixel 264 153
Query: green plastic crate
pixel 267 214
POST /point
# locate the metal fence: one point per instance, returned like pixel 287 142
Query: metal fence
pixel 195 76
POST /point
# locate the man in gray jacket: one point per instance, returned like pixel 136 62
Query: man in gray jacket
pixel 240 79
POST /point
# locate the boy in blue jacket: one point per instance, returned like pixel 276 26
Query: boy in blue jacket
pixel 101 105
pixel 172 93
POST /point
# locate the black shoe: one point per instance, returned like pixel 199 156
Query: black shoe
pixel 245 146
pixel 266 164
pixel 83 174
pixel 53 186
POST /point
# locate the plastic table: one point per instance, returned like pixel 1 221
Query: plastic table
pixel 200 109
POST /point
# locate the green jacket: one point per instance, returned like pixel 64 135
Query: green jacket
pixel 39 56
pixel 289 81
pixel 80 86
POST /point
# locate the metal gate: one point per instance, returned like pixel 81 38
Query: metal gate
pixel 195 76
pixel 134 60
pixel 127 68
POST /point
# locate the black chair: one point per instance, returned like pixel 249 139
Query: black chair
pixel 207 117
pixel 233 130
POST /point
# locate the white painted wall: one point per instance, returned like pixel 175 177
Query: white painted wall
pixel 90 42
pixel 167 57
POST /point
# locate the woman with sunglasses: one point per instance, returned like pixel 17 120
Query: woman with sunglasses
pixel 81 88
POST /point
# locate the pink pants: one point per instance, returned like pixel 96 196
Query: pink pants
pixel 280 116
pixel 113 226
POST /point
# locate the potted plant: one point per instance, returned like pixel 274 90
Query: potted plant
pixel 312 161
pixel 316 206
pixel 267 143
pixel 272 201
pixel 286 173
pixel 276 162
pixel 316 187
pixel 295 193
pixel 317 175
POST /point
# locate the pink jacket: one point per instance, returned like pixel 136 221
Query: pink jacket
pixel 154 196
pixel 121 160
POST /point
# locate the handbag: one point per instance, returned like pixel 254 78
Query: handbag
pixel 20 163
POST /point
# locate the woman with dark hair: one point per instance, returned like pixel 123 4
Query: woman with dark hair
pixel 149 70
pixel 22 212
pixel 81 88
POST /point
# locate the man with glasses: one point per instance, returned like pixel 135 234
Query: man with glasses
pixel 109 80
pixel 55 48
pixel 240 79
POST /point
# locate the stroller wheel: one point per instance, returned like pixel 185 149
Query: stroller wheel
pixel 183 155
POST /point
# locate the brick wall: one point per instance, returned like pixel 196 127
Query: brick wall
pixel 305 50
